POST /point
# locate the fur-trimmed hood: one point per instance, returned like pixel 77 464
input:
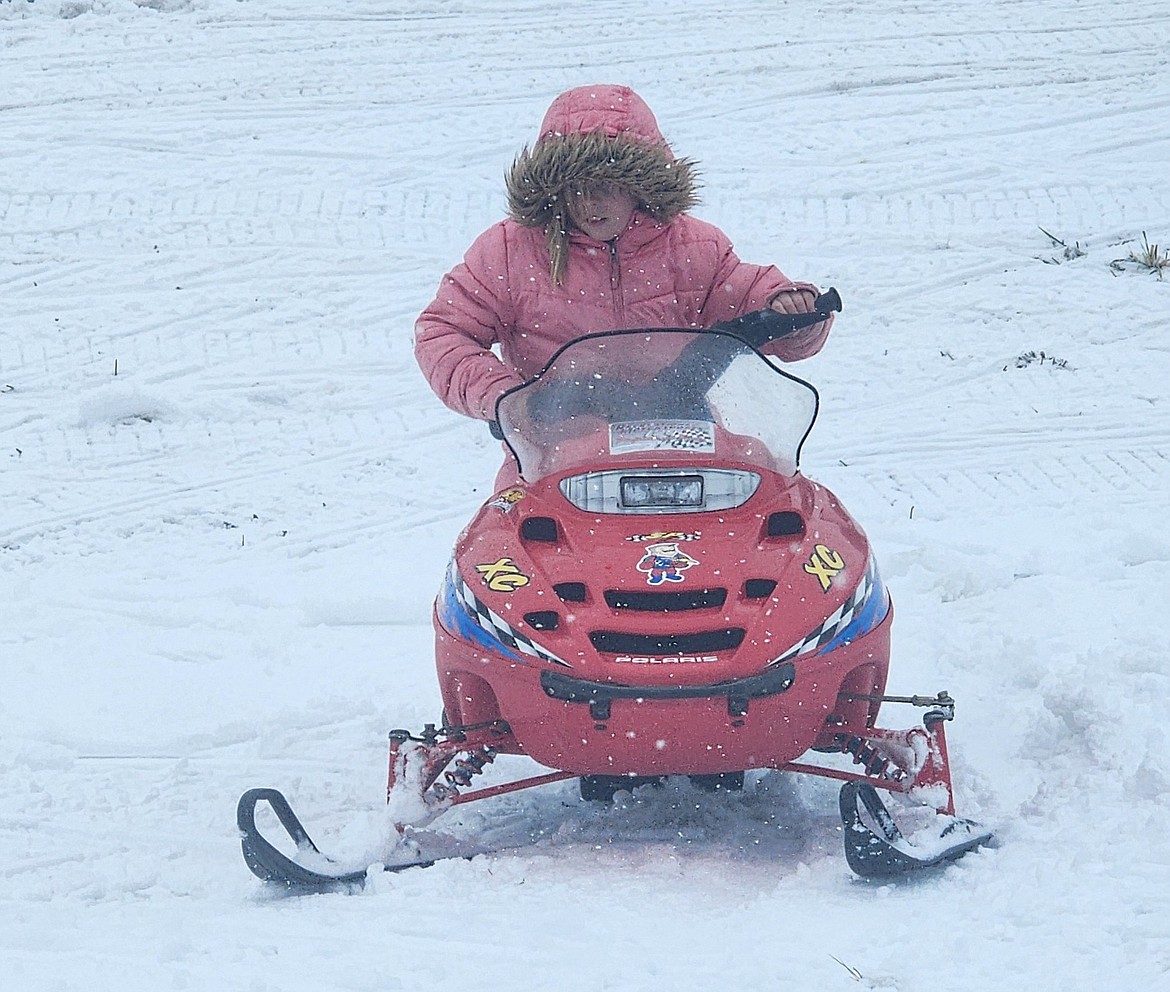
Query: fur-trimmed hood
pixel 596 134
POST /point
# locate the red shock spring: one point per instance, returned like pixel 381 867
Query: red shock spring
pixel 866 755
pixel 468 767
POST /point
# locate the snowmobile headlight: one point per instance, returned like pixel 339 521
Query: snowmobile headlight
pixel 648 490
pixel 658 492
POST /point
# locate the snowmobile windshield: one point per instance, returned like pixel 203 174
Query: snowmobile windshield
pixel 662 397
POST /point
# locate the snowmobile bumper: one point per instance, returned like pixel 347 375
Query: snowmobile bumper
pixel 651 726
pixel 600 695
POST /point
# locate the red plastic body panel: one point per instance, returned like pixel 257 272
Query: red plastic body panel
pixel 621 567
pixel 659 737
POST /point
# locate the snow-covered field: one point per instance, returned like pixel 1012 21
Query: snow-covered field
pixel 227 496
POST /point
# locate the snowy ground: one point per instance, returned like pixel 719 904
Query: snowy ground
pixel 227 495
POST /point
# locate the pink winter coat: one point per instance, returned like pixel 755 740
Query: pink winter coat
pixel 675 271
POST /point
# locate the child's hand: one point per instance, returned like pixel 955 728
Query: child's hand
pixel 794 301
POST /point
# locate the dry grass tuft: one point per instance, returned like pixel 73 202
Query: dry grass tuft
pixel 1150 257
pixel 1069 253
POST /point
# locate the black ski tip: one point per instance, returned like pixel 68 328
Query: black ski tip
pixel 273 866
pixel 883 851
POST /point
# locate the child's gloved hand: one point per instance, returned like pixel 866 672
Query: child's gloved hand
pixel 794 301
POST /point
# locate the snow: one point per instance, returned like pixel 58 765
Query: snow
pixel 228 496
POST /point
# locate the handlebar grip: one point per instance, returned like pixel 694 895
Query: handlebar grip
pixel 760 327
pixel 828 302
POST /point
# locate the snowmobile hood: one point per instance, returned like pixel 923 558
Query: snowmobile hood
pixel 683 600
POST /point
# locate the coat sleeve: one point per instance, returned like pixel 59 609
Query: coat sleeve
pixel 740 287
pixel 453 336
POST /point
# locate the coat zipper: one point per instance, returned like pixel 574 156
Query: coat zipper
pixel 615 283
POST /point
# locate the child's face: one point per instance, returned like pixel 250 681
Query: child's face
pixel 601 210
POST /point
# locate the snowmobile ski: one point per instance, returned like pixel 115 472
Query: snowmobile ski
pixel 883 851
pixel 271 865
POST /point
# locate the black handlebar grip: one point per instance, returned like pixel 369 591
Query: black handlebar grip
pixel 828 301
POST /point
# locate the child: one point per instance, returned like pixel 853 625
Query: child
pixel 599 238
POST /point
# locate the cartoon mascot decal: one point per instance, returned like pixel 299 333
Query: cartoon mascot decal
pixel 664 563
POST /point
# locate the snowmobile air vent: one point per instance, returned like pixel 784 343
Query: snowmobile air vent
pixel 665 602
pixel 570 592
pixel 785 523
pixel 539 529
pixel 704 642
pixel 759 588
pixel 543 620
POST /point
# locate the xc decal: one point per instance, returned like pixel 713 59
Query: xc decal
pixel 824 563
pixel 502 575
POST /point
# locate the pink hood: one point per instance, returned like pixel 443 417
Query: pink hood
pixel 608 109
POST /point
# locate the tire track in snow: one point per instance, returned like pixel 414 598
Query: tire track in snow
pixel 156 221
pixel 109 463
pixel 997 463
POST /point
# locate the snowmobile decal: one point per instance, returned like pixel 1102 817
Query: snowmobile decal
pixel 666 535
pixel 502 575
pixel 824 563
pixel 664 563
pixel 859 614
pixel 506 500
pixel 661 435
pixel 678 659
pixel 465 615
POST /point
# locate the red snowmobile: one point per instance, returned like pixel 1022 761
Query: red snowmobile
pixel 662 593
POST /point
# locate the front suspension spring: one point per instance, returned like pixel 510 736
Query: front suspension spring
pixel 468 767
pixel 866 755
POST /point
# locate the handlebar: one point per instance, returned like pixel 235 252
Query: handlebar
pixel 760 327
